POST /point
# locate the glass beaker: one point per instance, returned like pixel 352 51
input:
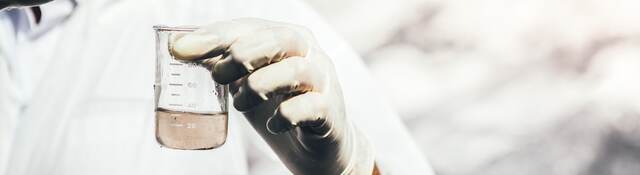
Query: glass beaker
pixel 191 108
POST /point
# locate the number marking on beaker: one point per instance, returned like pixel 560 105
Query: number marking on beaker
pixel 192 84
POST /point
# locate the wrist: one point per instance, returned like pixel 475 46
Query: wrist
pixel 376 171
pixel 362 160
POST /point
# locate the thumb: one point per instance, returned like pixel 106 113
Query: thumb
pixel 212 40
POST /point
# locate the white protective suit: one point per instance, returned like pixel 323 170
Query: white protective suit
pixel 76 92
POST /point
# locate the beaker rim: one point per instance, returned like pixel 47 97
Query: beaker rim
pixel 188 28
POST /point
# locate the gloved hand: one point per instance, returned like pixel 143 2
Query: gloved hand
pixel 287 89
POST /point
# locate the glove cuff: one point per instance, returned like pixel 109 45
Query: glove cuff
pixel 362 155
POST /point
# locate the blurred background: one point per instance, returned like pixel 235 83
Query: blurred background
pixel 506 86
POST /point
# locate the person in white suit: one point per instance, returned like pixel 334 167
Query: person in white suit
pixel 76 96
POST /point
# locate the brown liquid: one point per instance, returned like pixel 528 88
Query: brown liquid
pixel 190 131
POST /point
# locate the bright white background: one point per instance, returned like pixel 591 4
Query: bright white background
pixel 506 86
